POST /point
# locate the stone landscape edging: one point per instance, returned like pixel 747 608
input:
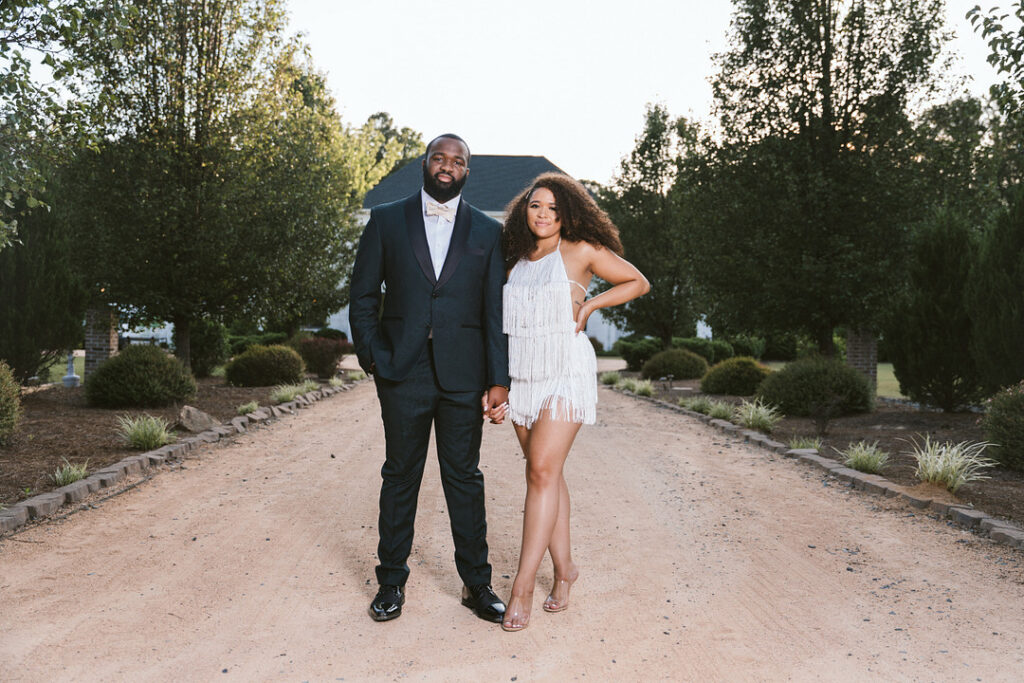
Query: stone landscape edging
pixel 998 530
pixel 45 505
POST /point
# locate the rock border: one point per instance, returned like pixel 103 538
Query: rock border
pixel 998 530
pixel 46 505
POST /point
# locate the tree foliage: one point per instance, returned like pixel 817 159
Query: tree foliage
pixel 806 192
pixel 652 228
pixel 42 302
pixel 228 185
pixel 1005 35
pixel 994 299
pixel 928 332
pixel 39 113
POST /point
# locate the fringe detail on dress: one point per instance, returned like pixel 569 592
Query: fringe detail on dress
pixel 552 367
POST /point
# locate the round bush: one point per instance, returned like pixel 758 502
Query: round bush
pixel 209 346
pixel 636 352
pixel 817 387
pixel 738 376
pixel 746 345
pixel 322 354
pixel 331 333
pixel 263 366
pixel 1004 426
pixel 10 403
pixel 140 376
pixel 679 363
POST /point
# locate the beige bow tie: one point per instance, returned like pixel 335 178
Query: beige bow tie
pixel 445 212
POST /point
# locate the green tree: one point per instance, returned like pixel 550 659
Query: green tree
pixel 994 298
pixel 229 184
pixel 39 118
pixel 42 301
pixel 651 226
pixel 806 193
pixel 1006 42
pixel 929 330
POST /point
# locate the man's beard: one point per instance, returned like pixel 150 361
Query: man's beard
pixel 442 193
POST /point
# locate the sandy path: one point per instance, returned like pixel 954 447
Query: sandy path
pixel 702 559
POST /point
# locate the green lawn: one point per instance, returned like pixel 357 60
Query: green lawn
pixel 60 368
pixel 887 384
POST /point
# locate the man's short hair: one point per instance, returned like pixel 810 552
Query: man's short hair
pixel 452 136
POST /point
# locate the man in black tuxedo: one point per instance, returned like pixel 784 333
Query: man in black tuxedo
pixel 438 355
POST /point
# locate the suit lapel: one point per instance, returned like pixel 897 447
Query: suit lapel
pixel 457 247
pixel 418 235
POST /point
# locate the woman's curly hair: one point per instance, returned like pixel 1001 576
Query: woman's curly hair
pixel 582 219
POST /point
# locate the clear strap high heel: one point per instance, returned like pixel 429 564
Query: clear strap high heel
pixel 517 613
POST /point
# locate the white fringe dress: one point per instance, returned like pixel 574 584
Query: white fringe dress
pixel 551 366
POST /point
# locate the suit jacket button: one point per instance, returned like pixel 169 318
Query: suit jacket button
pixel 434 295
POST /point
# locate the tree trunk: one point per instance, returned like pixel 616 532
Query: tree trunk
pixel 825 342
pixel 182 340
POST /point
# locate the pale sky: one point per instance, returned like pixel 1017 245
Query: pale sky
pixel 564 79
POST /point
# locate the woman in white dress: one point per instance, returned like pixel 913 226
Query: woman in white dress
pixel 555 241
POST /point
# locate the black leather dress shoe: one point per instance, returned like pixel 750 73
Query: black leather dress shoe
pixel 484 603
pixel 388 603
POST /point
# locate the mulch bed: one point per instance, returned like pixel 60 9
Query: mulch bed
pixel 892 426
pixel 57 424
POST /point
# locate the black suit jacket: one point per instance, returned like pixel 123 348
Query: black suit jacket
pixel 462 307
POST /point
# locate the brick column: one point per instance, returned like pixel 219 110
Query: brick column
pixel 100 338
pixel 862 354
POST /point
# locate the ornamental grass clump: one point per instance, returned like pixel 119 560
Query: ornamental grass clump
pixel 698 404
pixel 246 408
pixel 805 442
pixel 644 388
pixel 721 410
pixel 628 384
pixel 864 457
pixel 69 474
pixel 757 415
pixel 144 432
pixel 950 464
pixel 610 378
pixel 287 392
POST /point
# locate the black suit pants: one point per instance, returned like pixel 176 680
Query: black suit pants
pixel 408 409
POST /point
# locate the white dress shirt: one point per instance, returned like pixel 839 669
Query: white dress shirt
pixel 439 230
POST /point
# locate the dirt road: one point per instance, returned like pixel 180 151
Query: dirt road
pixel 702 559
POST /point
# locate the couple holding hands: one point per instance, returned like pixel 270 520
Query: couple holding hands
pixel 472 314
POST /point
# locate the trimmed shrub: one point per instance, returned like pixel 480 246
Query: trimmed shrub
pixel 928 332
pixel 820 388
pixel 208 341
pixel 264 366
pixel 701 347
pixel 679 363
pixel 1004 426
pixel 722 350
pixel 636 352
pixel 331 333
pixel 746 345
pixel 322 354
pixel 10 403
pixel 140 376
pixel 241 343
pixel 735 376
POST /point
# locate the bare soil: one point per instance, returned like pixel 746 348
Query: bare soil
pixel 57 424
pixel 893 426
pixel 701 558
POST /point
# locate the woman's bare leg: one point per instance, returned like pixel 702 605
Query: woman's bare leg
pixel 561 556
pixel 546 446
